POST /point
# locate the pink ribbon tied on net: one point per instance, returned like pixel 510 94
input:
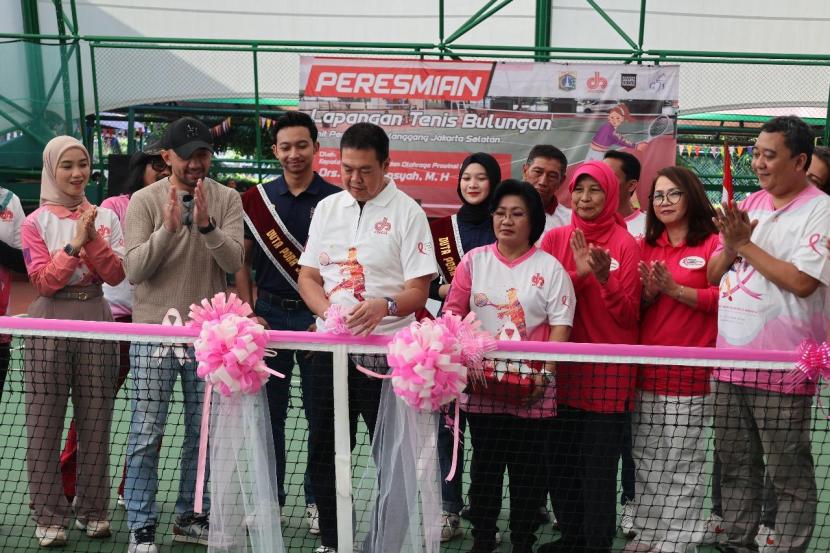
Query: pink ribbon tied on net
pixel 814 360
pixel 429 362
pixel 230 351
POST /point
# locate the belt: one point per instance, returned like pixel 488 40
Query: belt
pixel 79 293
pixel 289 304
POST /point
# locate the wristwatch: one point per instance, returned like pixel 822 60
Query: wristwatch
pixel 209 228
pixel 71 251
pixel 391 305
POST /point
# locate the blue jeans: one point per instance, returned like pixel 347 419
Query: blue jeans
pixel 152 383
pixel 278 390
pixel 451 495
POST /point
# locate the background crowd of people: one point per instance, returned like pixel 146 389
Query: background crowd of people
pixel 679 273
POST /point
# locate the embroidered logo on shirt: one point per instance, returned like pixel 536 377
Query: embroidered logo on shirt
pixel 383 226
pixel 692 262
pixel 104 231
pixel 566 301
pixel 424 248
pixel 537 280
pixel 6 215
pixel 614 264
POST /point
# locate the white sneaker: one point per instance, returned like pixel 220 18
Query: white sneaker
pixel 766 539
pixel 627 520
pixel 121 502
pixel 715 531
pixel 95 528
pixel 50 536
pixel 143 540
pixel 325 549
pixel 451 527
pixel 312 518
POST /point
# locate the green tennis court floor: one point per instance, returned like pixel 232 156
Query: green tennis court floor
pixel 17 529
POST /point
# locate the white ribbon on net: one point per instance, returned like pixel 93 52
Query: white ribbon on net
pixel 171 318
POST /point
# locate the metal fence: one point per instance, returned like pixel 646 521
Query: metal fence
pixel 145 81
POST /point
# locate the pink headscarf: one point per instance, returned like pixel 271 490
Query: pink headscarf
pixel 601 228
pixel 50 194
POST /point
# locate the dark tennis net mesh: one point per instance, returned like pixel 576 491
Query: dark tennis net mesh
pixel 571 456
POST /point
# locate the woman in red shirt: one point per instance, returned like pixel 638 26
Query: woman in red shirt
pixel 601 258
pixel 670 418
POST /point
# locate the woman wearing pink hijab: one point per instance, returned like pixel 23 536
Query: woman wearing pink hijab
pixel 70 247
pixel 601 258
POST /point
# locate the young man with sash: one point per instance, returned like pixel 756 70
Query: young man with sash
pixel 453 236
pixel 277 216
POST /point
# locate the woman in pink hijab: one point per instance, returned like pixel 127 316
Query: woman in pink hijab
pixel 70 247
pixel 601 258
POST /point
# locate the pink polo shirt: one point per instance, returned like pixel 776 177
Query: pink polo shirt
pixel 604 314
pixel 49 228
pixel 668 322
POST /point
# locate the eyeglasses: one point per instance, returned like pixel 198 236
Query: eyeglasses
pixel 504 214
pixel 671 197
pixel 158 164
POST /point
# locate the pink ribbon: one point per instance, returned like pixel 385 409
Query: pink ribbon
pixel 812 365
pixel 814 361
pixel 203 442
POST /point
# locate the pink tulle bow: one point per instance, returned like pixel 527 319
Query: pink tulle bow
pixel 231 346
pixel 230 350
pixel 334 320
pixel 430 359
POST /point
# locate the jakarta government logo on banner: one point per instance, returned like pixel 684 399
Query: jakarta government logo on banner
pixel 438 112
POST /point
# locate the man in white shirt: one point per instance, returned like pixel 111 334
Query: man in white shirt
pixel 545 169
pixel 627 169
pixel 773 269
pixel 369 250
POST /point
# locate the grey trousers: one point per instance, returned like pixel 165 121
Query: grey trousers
pixel 54 368
pixel 669 453
pixel 753 426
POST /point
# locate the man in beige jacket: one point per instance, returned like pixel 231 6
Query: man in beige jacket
pixel 183 235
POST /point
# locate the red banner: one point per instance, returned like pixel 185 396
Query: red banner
pixel 459 82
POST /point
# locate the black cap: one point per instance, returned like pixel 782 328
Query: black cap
pixel 186 135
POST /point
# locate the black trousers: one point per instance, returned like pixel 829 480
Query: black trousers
pixel 583 455
pixel 4 364
pixel 364 400
pixel 505 442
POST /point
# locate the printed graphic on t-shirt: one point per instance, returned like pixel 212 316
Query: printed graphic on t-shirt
pixel 512 312
pixel 736 280
pixel 354 279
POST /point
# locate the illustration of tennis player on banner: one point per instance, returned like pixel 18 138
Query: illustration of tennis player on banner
pixel 609 137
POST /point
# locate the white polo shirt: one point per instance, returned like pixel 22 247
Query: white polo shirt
pixel 754 312
pixel 636 224
pixel 560 217
pixel 370 252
